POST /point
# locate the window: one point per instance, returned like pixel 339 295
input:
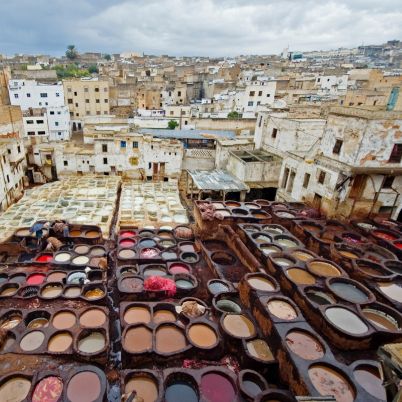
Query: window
pixel 68 89
pixel 16 96
pixel 321 177
pixel 39 121
pixel 135 144
pixel 123 144
pixel 18 149
pixel 58 112
pixel 104 147
pixel 96 89
pixel 98 112
pixel 86 89
pixel 97 100
pixel 30 122
pixel 56 123
pixel 318 79
pixel 106 101
pixel 88 113
pixel 396 154
pixel 70 101
pixel 149 165
pixel 178 93
pixel 86 100
pixel 285 177
pixel 252 93
pixel 105 89
pixel 259 93
pixel 250 103
pixel 258 103
pixel 8 179
pixel 41 132
pixel 65 163
pixel 28 95
pixel 274 132
pixel 52 113
pixel 31 133
pixel 105 161
pixel 260 122
pixel 268 95
pixel 75 94
pixel 388 181
pixel 43 95
pixel 337 147
pixel 306 180
pixel 57 94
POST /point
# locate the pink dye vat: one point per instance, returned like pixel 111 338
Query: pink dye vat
pixel 127 243
pixel 127 233
pixel 36 279
pixel 44 258
pixel 149 253
pixel 179 269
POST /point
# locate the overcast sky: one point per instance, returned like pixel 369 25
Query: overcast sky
pixel 195 27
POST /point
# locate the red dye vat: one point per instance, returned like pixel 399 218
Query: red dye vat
pixel 36 279
pixel 217 388
pixel 398 245
pixel 179 269
pixel 127 233
pixel 148 252
pixel 44 258
pixel 127 243
pixel 383 235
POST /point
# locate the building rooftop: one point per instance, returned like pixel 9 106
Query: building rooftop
pixel 216 180
pixel 189 134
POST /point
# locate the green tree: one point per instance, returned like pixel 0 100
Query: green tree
pixel 172 124
pixel 93 68
pixel 107 57
pixel 234 115
pixel 71 52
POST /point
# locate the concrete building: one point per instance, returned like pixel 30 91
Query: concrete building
pixel 5 76
pixel 86 97
pixel 257 94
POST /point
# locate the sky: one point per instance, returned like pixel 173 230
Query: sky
pixel 195 27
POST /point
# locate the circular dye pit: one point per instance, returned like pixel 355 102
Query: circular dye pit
pixel 95 293
pixel 147 243
pixel 285 242
pixel 302 256
pixel 394 266
pixel 371 382
pixel 48 390
pixel 60 342
pixel 50 291
pixel 180 391
pixel 202 335
pixel 189 257
pixel 268 249
pixel 75 233
pixel 216 387
pixel 32 341
pixel 346 320
pixel 348 254
pixel 131 284
pixel 300 276
pixel 261 283
pixel 169 339
pixel 36 279
pixel 179 269
pixel 7 344
pixel 56 277
pixel 92 234
pixel 9 291
pixel 19 278
pixel 324 269
pixel 282 309
pixel 169 255
pixel 238 326
pixel 392 290
pixel 136 315
pixel 155 271
pixel 15 389
pixel 80 260
pixel 44 258
pixel 259 348
pixel 36 323
pixel 126 254
pixel 349 291
pixel 145 386
pixel 160 316
pixel 138 339
pixel 63 257
pixel 76 278
pixel 11 321
pixel 149 252
pixel 97 251
pixel 216 287
pixel 72 292
pixel 228 306
pixel 384 235
pixel 92 318
pixel 94 342
pixel 184 284
pixel 372 269
pixel 260 238
pixel 166 243
pixel 283 262
pixel 127 233
pixel 304 345
pixel 84 387
pixel 127 243
pixel 329 382
pixel 81 249
pixel 64 320
pixel 283 214
pixel 381 319
pixel 320 298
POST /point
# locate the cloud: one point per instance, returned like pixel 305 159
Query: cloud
pixel 195 27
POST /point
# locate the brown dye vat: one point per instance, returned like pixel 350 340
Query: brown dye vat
pixel 9 291
pixel 56 277
pixel 202 335
pixel 138 339
pixel 64 320
pixel 169 339
pixel 60 342
pixel 328 381
pixel 11 321
pixel 304 345
pixel 259 348
pixel 92 234
pixel 145 386
pixel 302 256
pixel 136 315
pixel 300 276
pixel 282 309
pixel 348 254
pixel 38 323
pixel 84 386
pixel 51 291
pixel 261 283
pixel 380 319
pixel 346 320
pixel 32 341
pixel 322 268
pixel 94 293
pixel 92 318
pixel 94 342
pixel 15 389
pixel 238 326
pixel 160 316
pixel 391 290
pixel 75 233
pixel 370 381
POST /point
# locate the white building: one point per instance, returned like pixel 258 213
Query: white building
pixel 332 84
pixel 52 117
pixel 257 95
